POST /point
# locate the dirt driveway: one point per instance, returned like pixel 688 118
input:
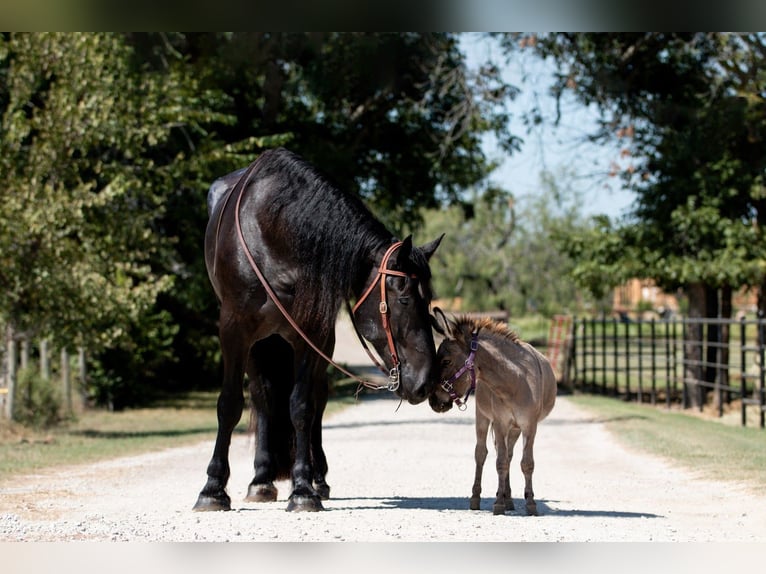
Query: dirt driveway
pixel 397 474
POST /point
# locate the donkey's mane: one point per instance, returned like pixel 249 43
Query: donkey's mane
pixel 464 325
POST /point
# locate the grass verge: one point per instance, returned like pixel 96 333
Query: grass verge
pixel 99 435
pixel 714 450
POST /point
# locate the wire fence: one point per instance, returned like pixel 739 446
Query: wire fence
pixel 691 362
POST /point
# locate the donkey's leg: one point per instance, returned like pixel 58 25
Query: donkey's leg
pixel 231 400
pixel 513 435
pixel 271 379
pixel 528 467
pixel 302 411
pixel 502 463
pixel 480 456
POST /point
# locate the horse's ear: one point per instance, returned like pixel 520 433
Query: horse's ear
pixel 440 322
pixel 403 255
pixel 430 248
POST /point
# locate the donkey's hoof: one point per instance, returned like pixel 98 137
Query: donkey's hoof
pixel 475 503
pixel 323 490
pixel 206 503
pixel 498 508
pixel 261 493
pixel 304 503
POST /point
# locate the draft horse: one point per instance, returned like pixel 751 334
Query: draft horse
pixel 515 389
pixel 284 248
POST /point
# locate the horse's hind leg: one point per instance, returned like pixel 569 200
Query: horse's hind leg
pixel 270 371
pixel 231 400
pixel 480 456
pixel 528 467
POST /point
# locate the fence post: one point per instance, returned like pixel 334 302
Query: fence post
pixel 66 382
pixel 615 354
pixel 653 334
pixel 11 367
pixel 640 360
pixel 743 368
pixel 45 365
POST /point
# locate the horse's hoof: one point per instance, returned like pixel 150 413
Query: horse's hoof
pixel 531 509
pixel 323 490
pixel 261 493
pixel 475 503
pixel 303 503
pixel 498 508
pixel 207 503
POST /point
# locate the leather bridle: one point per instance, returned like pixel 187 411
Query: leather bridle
pixel 383 270
pixel 448 384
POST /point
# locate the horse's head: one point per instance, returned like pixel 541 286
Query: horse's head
pixel 393 314
pixel 453 369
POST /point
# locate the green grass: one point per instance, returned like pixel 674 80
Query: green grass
pixel 98 435
pixel 716 451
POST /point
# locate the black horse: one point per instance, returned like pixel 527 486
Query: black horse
pixel 279 234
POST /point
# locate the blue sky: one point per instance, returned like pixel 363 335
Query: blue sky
pixel 559 150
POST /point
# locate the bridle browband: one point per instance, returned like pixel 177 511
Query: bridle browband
pixel 394 372
pixel 448 386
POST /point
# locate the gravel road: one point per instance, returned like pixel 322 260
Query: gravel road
pixel 398 473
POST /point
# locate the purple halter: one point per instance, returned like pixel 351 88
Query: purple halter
pixel 467 366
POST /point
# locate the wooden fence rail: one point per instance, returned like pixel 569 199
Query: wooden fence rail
pixel 660 361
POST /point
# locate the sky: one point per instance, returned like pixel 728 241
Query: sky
pixel 559 150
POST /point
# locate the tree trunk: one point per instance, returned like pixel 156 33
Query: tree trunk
pixel 693 346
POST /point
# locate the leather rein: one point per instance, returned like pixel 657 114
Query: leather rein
pixel 394 372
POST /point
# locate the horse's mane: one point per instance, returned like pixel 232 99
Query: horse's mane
pixel 464 325
pixel 332 234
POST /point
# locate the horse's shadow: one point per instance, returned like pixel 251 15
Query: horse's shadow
pixel 461 503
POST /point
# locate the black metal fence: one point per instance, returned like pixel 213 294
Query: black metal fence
pixel 691 362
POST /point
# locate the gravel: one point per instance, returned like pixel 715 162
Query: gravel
pixel 397 473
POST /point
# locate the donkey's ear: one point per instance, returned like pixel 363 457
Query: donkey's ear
pixel 430 248
pixel 440 322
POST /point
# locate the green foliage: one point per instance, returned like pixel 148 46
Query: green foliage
pixel 38 401
pixel 500 252
pixel 109 142
pixel 689 109
pixel 76 185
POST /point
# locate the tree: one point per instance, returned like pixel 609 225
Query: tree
pixel 691 106
pixel 503 252
pixel 85 160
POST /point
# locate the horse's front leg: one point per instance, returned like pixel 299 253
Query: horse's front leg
pixel 480 456
pixel 318 456
pixel 231 400
pixel 528 467
pixel 302 411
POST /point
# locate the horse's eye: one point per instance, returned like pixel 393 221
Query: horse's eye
pixel 446 362
pixel 404 300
